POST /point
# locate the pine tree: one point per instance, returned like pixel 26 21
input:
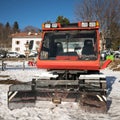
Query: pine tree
pixel 15 27
pixel 62 20
pixel 7 30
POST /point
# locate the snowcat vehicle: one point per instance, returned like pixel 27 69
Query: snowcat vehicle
pixel 71 54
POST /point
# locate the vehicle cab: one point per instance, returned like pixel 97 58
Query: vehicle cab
pixel 73 46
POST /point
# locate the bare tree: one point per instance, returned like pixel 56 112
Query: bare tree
pixel 107 12
pixel 31 29
pixel 104 11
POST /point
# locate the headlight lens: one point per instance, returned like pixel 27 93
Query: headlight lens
pixel 92 24
pixel 84 24
pixel 47 25
pixel 54 25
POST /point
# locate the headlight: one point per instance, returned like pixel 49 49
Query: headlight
pixel 47 25
pixel 54 25
pixel 92 24
pixel 84 24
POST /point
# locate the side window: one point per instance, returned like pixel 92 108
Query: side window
pixel 45 49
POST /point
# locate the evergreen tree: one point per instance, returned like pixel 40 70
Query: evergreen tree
pixel 15 27
pixel 62 20
pixel 7 30
pixel 1 31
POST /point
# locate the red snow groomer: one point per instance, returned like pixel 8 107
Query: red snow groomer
pixel 71 55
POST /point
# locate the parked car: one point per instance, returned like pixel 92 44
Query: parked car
pixel 116 54
pixel 21 56
pixel 13 55
pixel 3 53
pixel 33 54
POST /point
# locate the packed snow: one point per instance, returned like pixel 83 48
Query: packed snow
pixel 64 111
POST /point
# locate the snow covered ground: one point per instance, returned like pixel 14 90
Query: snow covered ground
pixel 64 111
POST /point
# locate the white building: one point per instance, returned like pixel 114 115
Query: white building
pixel 19 41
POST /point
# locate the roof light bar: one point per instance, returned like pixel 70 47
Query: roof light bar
pixel 54 25
pixel 47 25
pixel 84 24
pixel 89 24
pixel 50 25
pixel 92 24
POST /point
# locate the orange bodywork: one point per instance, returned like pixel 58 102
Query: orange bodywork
pixel 68 65
pixel 71 63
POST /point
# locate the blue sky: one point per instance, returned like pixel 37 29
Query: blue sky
pixel 35 12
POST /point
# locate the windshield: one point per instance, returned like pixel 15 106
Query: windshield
pixel 69 45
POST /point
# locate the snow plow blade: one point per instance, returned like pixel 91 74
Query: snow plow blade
pixel 93 103
pixel 93 93
pixel 21 95
pixel 88 91
pixel 25 95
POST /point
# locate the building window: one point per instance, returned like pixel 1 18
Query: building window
pixel 17 49
pixel 17 42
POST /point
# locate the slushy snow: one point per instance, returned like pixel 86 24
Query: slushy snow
pixel 64 111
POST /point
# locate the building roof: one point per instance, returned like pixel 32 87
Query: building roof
pixel 27 35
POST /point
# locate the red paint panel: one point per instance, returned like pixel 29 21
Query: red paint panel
pixel 106 63
pixel 69 65
pixel 67 58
